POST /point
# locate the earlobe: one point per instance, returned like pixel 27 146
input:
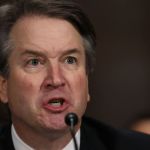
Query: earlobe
pixel 89 97
pixel 3 90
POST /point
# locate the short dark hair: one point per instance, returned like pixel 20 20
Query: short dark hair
pixel 67 10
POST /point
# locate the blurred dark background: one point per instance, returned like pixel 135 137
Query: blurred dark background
pixel 120 84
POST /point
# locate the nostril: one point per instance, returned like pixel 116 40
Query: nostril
pixel 54 86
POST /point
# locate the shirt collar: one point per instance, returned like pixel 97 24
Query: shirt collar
pixel 19 144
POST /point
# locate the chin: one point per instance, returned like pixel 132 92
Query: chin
pixel 54 123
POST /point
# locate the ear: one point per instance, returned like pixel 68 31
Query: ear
pixel 3 90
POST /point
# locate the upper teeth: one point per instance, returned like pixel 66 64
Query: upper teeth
pixel 56 103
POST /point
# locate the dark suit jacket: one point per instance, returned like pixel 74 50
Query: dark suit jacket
pixel 95 136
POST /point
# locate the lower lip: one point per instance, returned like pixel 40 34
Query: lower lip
pixel 56 109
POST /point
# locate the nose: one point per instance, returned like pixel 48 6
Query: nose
pixel 55 77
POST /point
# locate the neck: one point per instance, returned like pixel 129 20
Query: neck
pixel 52 140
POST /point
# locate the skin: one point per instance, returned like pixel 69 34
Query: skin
pixel 142 126
pixel 47 62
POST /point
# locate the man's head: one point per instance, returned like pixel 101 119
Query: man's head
pixel 46 48
pixel 141 123
pixel 66 10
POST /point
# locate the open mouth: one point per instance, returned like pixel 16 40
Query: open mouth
pixel 56 102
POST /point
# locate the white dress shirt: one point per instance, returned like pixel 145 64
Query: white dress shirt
pixel 19 144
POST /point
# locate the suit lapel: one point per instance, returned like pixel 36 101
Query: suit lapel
pixel 90 139
pixel 6 139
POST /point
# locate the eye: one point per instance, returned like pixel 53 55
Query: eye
pixel 34 62
pixel 71 60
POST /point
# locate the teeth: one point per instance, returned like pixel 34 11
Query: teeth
pixel 56 103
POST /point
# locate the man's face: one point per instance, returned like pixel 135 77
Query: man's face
pixel 47 73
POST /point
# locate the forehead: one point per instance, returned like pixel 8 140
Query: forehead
pixel 32 28
pixel 49 35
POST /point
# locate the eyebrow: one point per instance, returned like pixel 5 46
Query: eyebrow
pixel 32 52
pixel 41 53
pixel 71 51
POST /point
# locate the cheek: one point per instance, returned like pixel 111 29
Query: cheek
pixel 20 84
pixel 83 82
pixel 22 87
pixel 81 87
pixel 22 93
pixel 24 80
pixel 81 95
